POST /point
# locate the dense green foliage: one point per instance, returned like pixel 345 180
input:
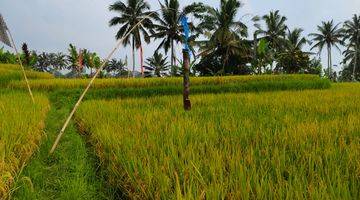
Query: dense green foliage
pixel 278 145
pixel 220 43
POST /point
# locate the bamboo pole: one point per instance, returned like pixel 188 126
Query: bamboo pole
pixel 92 81
pixel 22 67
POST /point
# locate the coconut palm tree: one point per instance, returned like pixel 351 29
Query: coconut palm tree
pixel 92 61
pixel 227 39
pixel 116 67
pixel 157 65
pixel 275 30
pixel 352 37
pixel 292 59
pixel 75 59
pixel 130 15
pixel 328 35
pixel 295 39
pixel 169 29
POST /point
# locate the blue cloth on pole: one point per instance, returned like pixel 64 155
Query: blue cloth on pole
pixel 184 23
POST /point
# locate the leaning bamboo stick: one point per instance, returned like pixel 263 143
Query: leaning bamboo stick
pixel 22 67
pixel 92 81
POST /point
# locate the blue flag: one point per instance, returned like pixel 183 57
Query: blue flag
pixel 184 23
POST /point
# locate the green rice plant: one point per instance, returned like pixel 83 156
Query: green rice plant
pixel 274 145
pixel 21 125
pixel 249 83
pixel 10 67
pixel 10 73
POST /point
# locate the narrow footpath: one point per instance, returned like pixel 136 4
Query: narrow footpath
pixel 70 173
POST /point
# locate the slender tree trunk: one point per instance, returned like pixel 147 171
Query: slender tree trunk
pixel 142 61
pixel 328 69
pixel 133 56
pixel 224 65
pixel 331 65
pixel 186 92
pixel 225 61
pixel 172 58
pixel 355 62
pixel 255 62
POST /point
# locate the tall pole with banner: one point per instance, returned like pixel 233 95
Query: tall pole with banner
pixel 186 64
pixel 7 39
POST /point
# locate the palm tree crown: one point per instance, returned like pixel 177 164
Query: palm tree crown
pixel 275 29
pixel 352 37
pixel 169 28
pixel 158 65
pixel 295 39
pixel 328 35
pixel 134 17
pixel 228 34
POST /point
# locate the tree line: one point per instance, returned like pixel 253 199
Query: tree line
pixel 220 43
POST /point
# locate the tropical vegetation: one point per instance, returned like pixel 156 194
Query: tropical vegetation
pixel 219 44
pixel 266 120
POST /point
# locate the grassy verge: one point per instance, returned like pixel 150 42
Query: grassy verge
pixel 280 145
pixel 68 174
pixel 21 125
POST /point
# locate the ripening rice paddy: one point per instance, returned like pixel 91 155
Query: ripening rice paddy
pixel 21 125
pixel 239 83
pixel 274 145
pixel 10 73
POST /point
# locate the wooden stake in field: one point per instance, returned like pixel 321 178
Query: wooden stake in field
pixel 5 39
pixel 92 81
pixel 186 64
pixel 186 92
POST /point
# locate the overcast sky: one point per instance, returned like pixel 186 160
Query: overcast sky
pixel 50 25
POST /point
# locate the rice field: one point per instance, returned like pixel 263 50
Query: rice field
pixel 265 82
pixel 10 73
pixel 292 137
pixel 21 125
pixel 274 145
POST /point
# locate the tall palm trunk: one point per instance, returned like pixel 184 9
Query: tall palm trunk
pixel 225 61
pixel 329 55
pixel 172 58
pixel 255 62
pixel 355 62
pixel 133 56
pixel 142 60
pixel 331 64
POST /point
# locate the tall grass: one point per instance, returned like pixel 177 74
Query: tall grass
pixel 21 125
pixel 266 82
pixel 279 145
